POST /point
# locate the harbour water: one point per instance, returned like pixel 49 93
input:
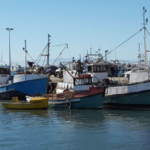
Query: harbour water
pixel 65 129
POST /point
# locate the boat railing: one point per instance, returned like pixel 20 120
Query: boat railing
pixel 60 96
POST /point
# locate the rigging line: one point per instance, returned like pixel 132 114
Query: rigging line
pixel 39 59
pixel 63 54
pixel 69 81
pixel 60 54
pixel 58 45
pixel 123 43
pixel 66 69
pixel 41 52
pixel 41 55
pixel 147 31
pixel 31 57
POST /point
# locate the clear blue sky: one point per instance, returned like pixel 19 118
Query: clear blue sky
pixel 82 24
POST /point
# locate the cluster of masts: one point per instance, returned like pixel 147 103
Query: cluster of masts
pixel 25 50
pixel 145 21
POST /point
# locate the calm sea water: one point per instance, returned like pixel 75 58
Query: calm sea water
pixel 74 129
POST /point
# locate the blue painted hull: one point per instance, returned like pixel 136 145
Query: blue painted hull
pixel 30 87
pixel 93 101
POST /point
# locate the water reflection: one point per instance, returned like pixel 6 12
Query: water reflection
pixel 85 116
pixel 124 115
pixel 75 129
pixel 81 116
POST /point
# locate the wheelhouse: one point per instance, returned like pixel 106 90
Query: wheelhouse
pixel 83 80
pixel 97 68
pixel 98 71
pixel 4 74
pixel 5 71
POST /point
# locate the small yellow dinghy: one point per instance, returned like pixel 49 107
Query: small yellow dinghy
pixel 35 103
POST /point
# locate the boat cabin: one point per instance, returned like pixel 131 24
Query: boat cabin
pixel 4 74
pixel 136 76
pixel 82 82
pixel 5 71
pixel 98 71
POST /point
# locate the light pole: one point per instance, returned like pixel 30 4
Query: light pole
pixel 9 29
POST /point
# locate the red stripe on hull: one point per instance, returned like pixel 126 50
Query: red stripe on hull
pixel 93 90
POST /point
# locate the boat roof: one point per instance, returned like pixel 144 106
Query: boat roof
pixel 98 64
pixel 4 66
pixel 103 63
pixel 83 76
pixel 128 72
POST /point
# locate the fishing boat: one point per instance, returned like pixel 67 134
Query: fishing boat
pixel 130 90
pixel 136 91
pixel 83 96
pixel 35 103
pixel 21 84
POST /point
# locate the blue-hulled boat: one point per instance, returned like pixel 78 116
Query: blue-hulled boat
pixel 21 84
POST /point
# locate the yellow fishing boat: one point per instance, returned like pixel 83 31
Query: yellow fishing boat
pixel 35 103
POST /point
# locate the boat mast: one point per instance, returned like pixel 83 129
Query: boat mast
pixel 25 58
pixel 144 11
pixel 48 49
pixel 25 50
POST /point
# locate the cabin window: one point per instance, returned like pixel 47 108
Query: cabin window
pixel 88 81
pixel 89 68
pixel 1 71
pixel 98 68
pixel 94 68
pixel 4 71
pixel 83 81
pixel 8 71
pixel 101 68
pixel 79 82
